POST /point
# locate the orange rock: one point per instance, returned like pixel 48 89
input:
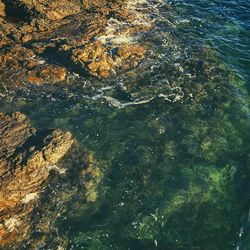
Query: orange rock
pixel 94 57
pixel 59 9
pixel 31 64
pixel 51 9
pixel 34 79
pixel 46 74
pixel 26 38
pixel 54 72
pixel 87 38
pixel 2 9
pixel 104 73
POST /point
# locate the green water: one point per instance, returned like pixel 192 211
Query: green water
pixel 172 141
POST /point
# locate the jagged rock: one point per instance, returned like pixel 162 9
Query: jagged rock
pixel 26 158
pixel 98 60
pixel 13 60
pixel 32 163
pixel 95 58
pixel 94 4
pixel 79 191
pixel 51 9
pixel 93 37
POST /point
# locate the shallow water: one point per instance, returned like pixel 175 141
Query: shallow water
pixel 172 139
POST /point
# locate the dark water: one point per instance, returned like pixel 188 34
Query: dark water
pixel 173 141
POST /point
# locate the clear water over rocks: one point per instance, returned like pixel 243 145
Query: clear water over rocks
pixel 170 136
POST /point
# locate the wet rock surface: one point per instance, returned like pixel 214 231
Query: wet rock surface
pixel 31 162
pixel 53 10
pixel 56 37
pixel 159 110
pixel 2 9
pixel 26 158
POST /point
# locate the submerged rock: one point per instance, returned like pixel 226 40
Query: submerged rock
pixel 26 157
pixel 129 56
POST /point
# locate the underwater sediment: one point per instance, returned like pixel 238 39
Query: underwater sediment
pixel 124 125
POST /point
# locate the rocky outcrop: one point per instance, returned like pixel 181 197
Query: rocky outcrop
pixel 41 41
pixel 51 9
pixel 94 57
pixel 27 156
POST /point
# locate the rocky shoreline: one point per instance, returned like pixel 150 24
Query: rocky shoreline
pixel 42 41
pixel 132 127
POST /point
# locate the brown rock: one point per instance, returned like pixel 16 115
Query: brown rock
pixel 131 50
pixel 129 56
pixel 34 79
pixel 59 9
pixel 18 60
pixel 94 38
pixel 95 58
pixel 26 157
pixel 13 58
pixel 2 9
pixel 104 6
pixel 95 4
pixel 26 38
pixel 47 74
pixel 51 9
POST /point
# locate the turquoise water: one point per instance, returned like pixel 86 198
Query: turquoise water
pixel 172 139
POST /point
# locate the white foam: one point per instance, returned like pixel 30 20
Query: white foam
pixel 141 18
